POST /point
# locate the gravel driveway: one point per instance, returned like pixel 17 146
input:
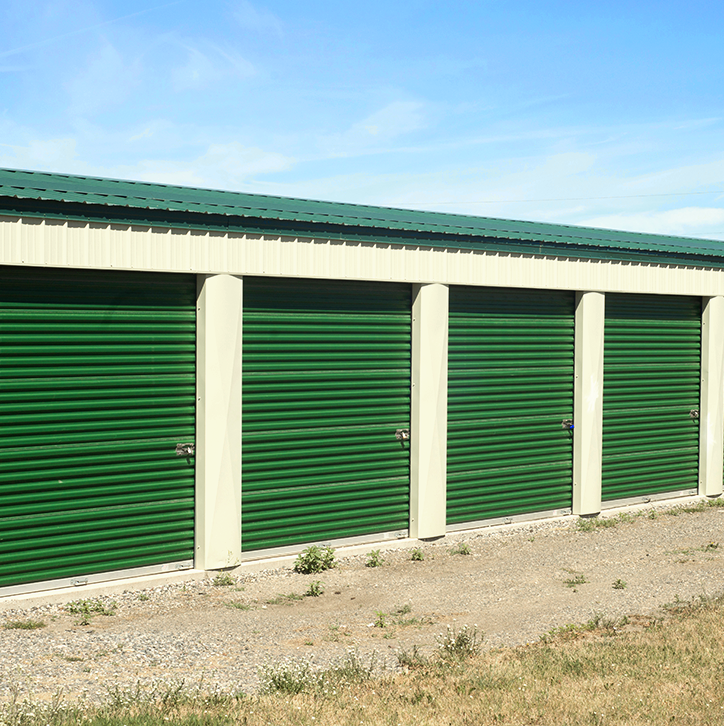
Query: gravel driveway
pixel 517 583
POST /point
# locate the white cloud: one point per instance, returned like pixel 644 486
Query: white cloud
pixel 257 19
pixel 106 82
pixel 685 222
pixel 221 166
pixel 204 67
pixel 377 129
pixel 41 155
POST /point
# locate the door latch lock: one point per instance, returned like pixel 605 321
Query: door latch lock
pixel 694 413
pixel 185 449
pixel 567 423
pixel 402 434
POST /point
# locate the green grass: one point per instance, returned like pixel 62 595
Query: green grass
pixel 87 609
pixel 282 599
pixel 28 624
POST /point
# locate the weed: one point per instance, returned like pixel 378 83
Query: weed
pixel 142 596
pixel 459 644
pixel 591 524
pixel 374 559
pixel 380 619
pixel 24 624
pixel 462 549
pixel 294 677
pixel 403 610
pixel 417 555
pixel 314 559
pixel 316 588
pixel 619 584
pixel 710 547
pixel 575 580
pixel 239 605
pixel 89 608
pixel 284 599
pixel 223 579
pixel 411 659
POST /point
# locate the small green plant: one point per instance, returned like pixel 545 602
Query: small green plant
pixel 89 608
pixel 314 559
pixel 374 559
pixel 417 555
pixel 462 549
pixel 239 605
pixel 619 584
pixel 142 596
pixel 459 644
pixel 316 588
pixel 24 624
pixel 380 619
pixel 403 609
pixel 575 580
pixel 710 547
pixel 282 599
pixel 223 579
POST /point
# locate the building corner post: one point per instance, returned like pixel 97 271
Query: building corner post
pixel 711 411
pixel 428 445
pixel 218 421
pixel 588 402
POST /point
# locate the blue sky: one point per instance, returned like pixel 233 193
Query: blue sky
pixel 604 114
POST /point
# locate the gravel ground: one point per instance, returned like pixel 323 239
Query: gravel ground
pixel 512 586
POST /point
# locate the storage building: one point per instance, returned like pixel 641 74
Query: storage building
pixel 194 378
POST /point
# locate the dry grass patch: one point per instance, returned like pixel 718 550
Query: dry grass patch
pixel 650 670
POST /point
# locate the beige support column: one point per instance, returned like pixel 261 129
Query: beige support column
pixel 711 412
pixel 428 446
pixel 588 402
pixel 218 422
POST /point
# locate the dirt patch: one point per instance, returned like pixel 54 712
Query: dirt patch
pixel 517 583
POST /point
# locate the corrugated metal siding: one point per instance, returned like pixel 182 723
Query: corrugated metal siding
pixel 97 386
pixel 651 380
pixel 511 377
pixel 61 244
pixel 326 383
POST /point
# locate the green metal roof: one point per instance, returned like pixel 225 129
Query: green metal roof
pixel 47 194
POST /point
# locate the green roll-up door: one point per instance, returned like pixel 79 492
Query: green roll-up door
pixel 510 387
pixel 651 378
pixel 97 386
pixel 326 384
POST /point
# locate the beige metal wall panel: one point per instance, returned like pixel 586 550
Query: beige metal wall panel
pixel 428 446
pixel 102 246
pixel 711 413
pixel 218 422
pixel 588 403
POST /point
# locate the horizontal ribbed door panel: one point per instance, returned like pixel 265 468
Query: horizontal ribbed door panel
pixel 651 383
pixel 510 385
pixel 97 386
pixel 326 383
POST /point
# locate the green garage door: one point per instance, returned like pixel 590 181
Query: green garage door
pixel 651 371
pixel 326 385
pixel 97 386
pixel 510 389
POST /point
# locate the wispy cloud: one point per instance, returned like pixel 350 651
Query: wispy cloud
pixel 106 81
pixel 79 31
pixel 376 130
pixel 257 19
pixel 684 221
pixel 206 66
